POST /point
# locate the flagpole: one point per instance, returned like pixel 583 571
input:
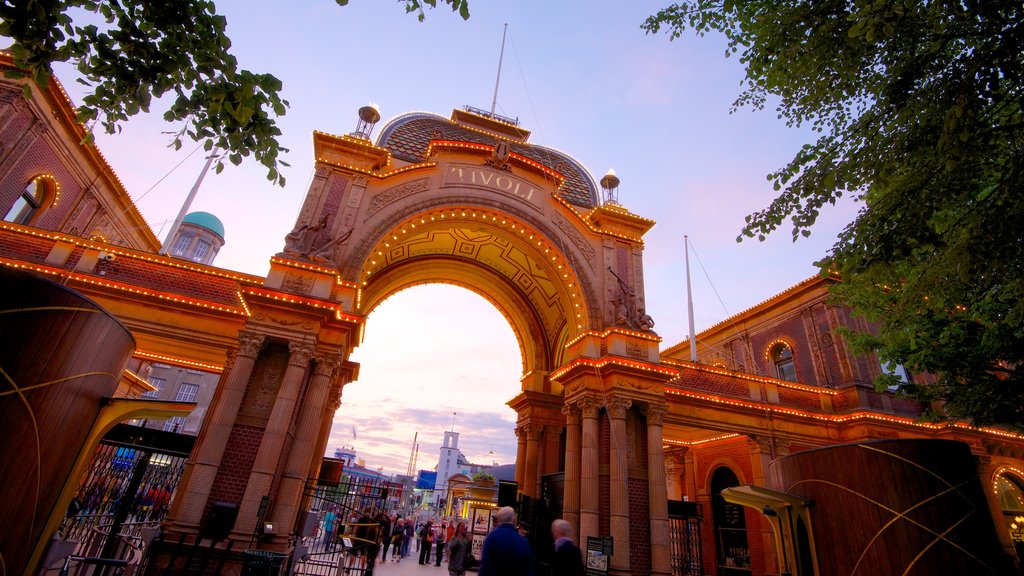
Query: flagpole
pixel 689 301
pixel 501 57
pixel 188 202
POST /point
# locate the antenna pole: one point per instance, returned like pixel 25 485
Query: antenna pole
pixel 188 202
pixel 689 301
pixel 494 102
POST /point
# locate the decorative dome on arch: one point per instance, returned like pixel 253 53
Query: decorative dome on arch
pixel 408 135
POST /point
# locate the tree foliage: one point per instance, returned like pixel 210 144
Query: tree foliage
pixel 129 53
pixel 918 110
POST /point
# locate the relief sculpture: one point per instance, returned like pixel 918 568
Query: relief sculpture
pixel 312 242
pixel 625 311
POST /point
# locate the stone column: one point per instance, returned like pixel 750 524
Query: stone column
pixel 571 492
pixel 618 471
pixel 307 431
pixel 272 444
pixel 675 459
pixel 202 468
pixel 656 492
pixel 552 436
pixel 326 421
pixel 521 458
pixel 589 488
pixel 533 432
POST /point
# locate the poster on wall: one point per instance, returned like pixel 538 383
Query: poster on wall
pixel 478 546
pixel 480 519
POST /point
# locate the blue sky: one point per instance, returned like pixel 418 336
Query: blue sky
pixel 586 80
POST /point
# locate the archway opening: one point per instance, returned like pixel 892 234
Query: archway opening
pixel 730 526
pixel 435 358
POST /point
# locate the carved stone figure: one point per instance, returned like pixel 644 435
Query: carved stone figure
pixel 311 242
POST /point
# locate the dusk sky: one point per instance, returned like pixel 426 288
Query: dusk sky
pixel 586 80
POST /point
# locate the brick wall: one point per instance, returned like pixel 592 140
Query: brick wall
pixel 639 527
pixel 239 455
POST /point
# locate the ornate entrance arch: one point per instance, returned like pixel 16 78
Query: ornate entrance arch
pixel 464 201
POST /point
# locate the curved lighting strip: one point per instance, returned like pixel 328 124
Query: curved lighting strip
pixel 53 181
pixel 458 144
pixel 486 216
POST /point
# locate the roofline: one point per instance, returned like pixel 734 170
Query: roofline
pixel 804 285
pixel 58 98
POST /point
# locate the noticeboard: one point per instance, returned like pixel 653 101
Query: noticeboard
pixel 599 550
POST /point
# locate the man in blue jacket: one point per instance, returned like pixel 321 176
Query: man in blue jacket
pixel 506 552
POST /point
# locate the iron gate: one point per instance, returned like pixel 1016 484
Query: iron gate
pixel 124 495
pixel 685 555
pixel 342 526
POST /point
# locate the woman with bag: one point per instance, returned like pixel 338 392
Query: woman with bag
pixel 458 551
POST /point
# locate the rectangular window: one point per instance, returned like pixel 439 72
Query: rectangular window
pixel 174 424
pixel 202 248
pixel 159 384
pixel 187 393
pixel 897 370
pixel 181 246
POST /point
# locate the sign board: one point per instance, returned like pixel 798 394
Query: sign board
pixel 598 551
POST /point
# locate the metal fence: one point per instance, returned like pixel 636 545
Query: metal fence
pixel 684 520
pixel 341 527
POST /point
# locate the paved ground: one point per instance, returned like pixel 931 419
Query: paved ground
pixel 409 567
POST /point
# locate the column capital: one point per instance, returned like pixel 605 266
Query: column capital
pixel 675 454
pixel 552 431
pixel 229 359
pixel 759 443
pixel 250 343
pixel 572 415
pixel 617 406
pixel 300 353
pixel 326 364
pixel 334 398
pixel 655 413
pixel 533 431
pixel 588 406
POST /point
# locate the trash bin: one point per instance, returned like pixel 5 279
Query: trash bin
pixel 262 562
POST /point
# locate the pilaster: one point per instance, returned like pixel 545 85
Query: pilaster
pixel 571 492
pixel 201 470
pixel 618 472
pixel 265 466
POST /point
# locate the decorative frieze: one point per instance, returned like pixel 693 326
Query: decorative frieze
pixel 397 193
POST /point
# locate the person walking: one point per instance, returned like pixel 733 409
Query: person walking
pixel 330 520
pixel 439 540
pixel 568 560
pixel 385 532
pixel 458 548
pixel 505 551
pixel 398 540
pixel 426 539
pixel 408 536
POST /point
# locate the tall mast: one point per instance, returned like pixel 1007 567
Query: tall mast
pixel 689 301
pixel 494 102
pixel 188 202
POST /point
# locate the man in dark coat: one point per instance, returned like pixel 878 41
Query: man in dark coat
pixel 505 551
pixel 567 561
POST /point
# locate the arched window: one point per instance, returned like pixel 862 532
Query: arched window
pixel 781 356
pixel 30 202
pixel 730 526
pixel 1011 501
